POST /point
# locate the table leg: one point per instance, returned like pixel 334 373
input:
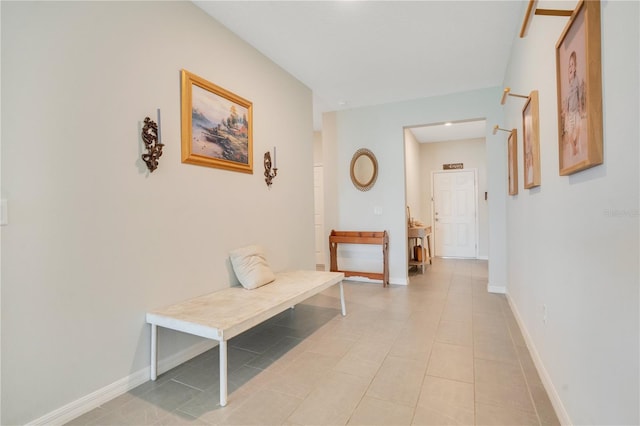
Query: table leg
pixel 154 351
pixel 223 373
pixel 344 309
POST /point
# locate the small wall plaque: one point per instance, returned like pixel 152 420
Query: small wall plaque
pixel 453 166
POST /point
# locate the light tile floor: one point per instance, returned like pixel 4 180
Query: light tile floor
pixel 441 351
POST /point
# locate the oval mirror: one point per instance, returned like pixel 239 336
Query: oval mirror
pixel 364 169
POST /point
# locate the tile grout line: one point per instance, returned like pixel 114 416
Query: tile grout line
pixel 473 351
pixel 373 377
pixel 415 408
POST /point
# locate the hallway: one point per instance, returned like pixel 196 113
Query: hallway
pixel 439 351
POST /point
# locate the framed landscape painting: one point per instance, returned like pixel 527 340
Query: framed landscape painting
pixel 216 126
pixel 531 141
pixel 579 82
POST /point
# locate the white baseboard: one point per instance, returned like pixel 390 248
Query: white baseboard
pixel 496 289
pixel 562 414
pixel 392 280
pixel 398 281
pixel 87 403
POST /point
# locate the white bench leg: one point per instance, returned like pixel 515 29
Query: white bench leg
pixel 223 373
pixel 344 309
pixel 154 351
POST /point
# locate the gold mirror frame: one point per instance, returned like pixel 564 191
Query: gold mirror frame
pixel 366 183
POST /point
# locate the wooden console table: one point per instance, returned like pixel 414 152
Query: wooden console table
pixel 360 237
pixel 420 233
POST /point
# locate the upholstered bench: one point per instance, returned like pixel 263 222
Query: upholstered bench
pixel 226 313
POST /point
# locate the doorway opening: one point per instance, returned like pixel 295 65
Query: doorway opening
pixel 429 151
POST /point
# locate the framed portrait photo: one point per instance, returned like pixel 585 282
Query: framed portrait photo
pixel 531 141
pixel 579 82
pixel 217 126
pixel 512 154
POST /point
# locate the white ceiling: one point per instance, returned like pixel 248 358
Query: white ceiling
pixel 358 53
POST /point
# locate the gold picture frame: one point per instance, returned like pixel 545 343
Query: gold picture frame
pixel 579 84
pixel 217 126
pixel 512 153
pixel 531 141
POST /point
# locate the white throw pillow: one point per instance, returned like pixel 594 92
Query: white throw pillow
pixel 251 267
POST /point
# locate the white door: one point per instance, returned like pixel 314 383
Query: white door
pixel 318 192
pixel 454 213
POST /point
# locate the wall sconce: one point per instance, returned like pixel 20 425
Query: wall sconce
pixel 507 92
pixel 152 142
pixel 269 171
pixel 528 17
pixel 496 128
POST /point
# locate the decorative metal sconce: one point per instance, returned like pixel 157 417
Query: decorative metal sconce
pixel 269 171
pixel 507 92
pixel 496 128
pixel 152 142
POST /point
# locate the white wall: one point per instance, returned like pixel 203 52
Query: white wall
pixel 473 154
pixel 381 129
pixel 414 182
pixel 0 228
pixel 330 166
pixel 573 242
pixel 94 241
pixel 317 148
